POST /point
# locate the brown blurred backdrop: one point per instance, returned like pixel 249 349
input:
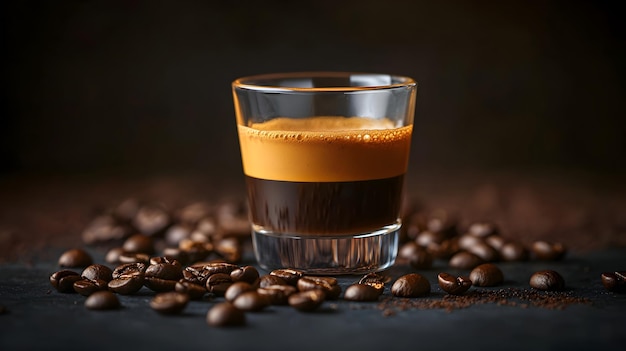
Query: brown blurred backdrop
pixel 144 86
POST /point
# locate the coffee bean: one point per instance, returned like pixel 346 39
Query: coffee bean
pixel 128 257
pixel 98 272
pixel 251 301
pixel 495 241
pixel 464 260
pixel 237 289
pixel 445 249
pixel 127 209
pixel 224 314
pixel 547 280
pixel 163 276
pixel 547 251
pixel 425 238
pixel 482 229
pixel 176 254
pixel 329 285
pixel 614 281
pixel 139 243
pixel 165 260
pixel 105 228
pixel 361 292
pixel 113 255
pixel 416 256
pixel 306 300
pixel 193 213
pixel 169 302
pixel 176 233
pixel 484 251
pixel 230 249
pixel 87 287
pixel 102 300
pixel 128 278
pixel 75 258
pixel 374 280
pixel 151 219
pixel 513 251
pixel 411 285
pixel 467 241
pixel 194 291
pixel 218 283
pixel 267 280
pixel 453 285
pixel 486 274
pixel 290 276
pixel 277 294
pixel 64 280
pixel 195 250
pixel 247 274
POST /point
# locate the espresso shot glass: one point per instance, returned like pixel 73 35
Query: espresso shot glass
pixel 324 156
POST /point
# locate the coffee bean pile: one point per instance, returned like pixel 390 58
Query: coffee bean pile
pixel 194 253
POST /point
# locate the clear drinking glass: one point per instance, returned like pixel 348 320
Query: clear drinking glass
pixel 324 156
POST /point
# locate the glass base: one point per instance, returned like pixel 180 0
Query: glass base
pixel 355 254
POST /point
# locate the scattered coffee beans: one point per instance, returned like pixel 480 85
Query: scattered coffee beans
pixel 453 285
pixel 548 251
pixel 87 287
pixel 411 285
pixel 415 255
pixel 163 276
pixel 139 243
pixel 547 280
pixel 194 291
pixel 64 280
pixel 218 283
pixel 97 272
pixel 486 274
pixel 251 301
pixel 75 258
pixel 151 219
pixel 329 285
pixel 128 278
pixel 247 274
pixel 169 302
pixel 482 229
pixel 277 294
pixel 236 289
pixel 513 251
pixel 224 314
pixel 267 280
pixel 306 300
pixel 614 281
pixel 374 280
pixel 102 300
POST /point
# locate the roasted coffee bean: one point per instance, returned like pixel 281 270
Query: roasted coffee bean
pixel 128 278
pixel 207 226
pixel 486 274
pixel 416 256
pixel 496 241
pixel 218 283
pixel 102 300
pixel 374 280
pixel 614 281
pixel 464 260
pixel 199 273
pixel 193 213
pixel 195 250
pixel 105 228
pixel 467 240
pixel 176 254
pixel 224 314
pixel 75 258
pixel 97 272
pixel 484 251
pixel 237 289
pixel 548 251
pixel 230 249
pixel 290 276
pixel 306 300
pixel 87 287
pixel 64 280
pixel 113 255
pixel 482 229
pixel 247 274
pixel 329 285
pixel 176 233
pixel 169 302
pixel 267 280
pixel 165 260
pixel 411 285
pixel 513 251
pixel 547 280
pixel 151 219
pixel 441 221
pixel 445 249
pixel 163 276
pixel 127 209
pixel 453 285
pixel 426 238
pixel 235 227
pixel 251 301
pixel 194 291
pixel 139 243
pixel 277 294
pixel 128 257
pixel 361 292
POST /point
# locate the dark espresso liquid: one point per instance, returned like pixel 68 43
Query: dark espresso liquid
pixel 324 208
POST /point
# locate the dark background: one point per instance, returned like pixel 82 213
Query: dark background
pixel 144 86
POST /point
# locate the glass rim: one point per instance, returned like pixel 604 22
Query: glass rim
pixel 247 82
